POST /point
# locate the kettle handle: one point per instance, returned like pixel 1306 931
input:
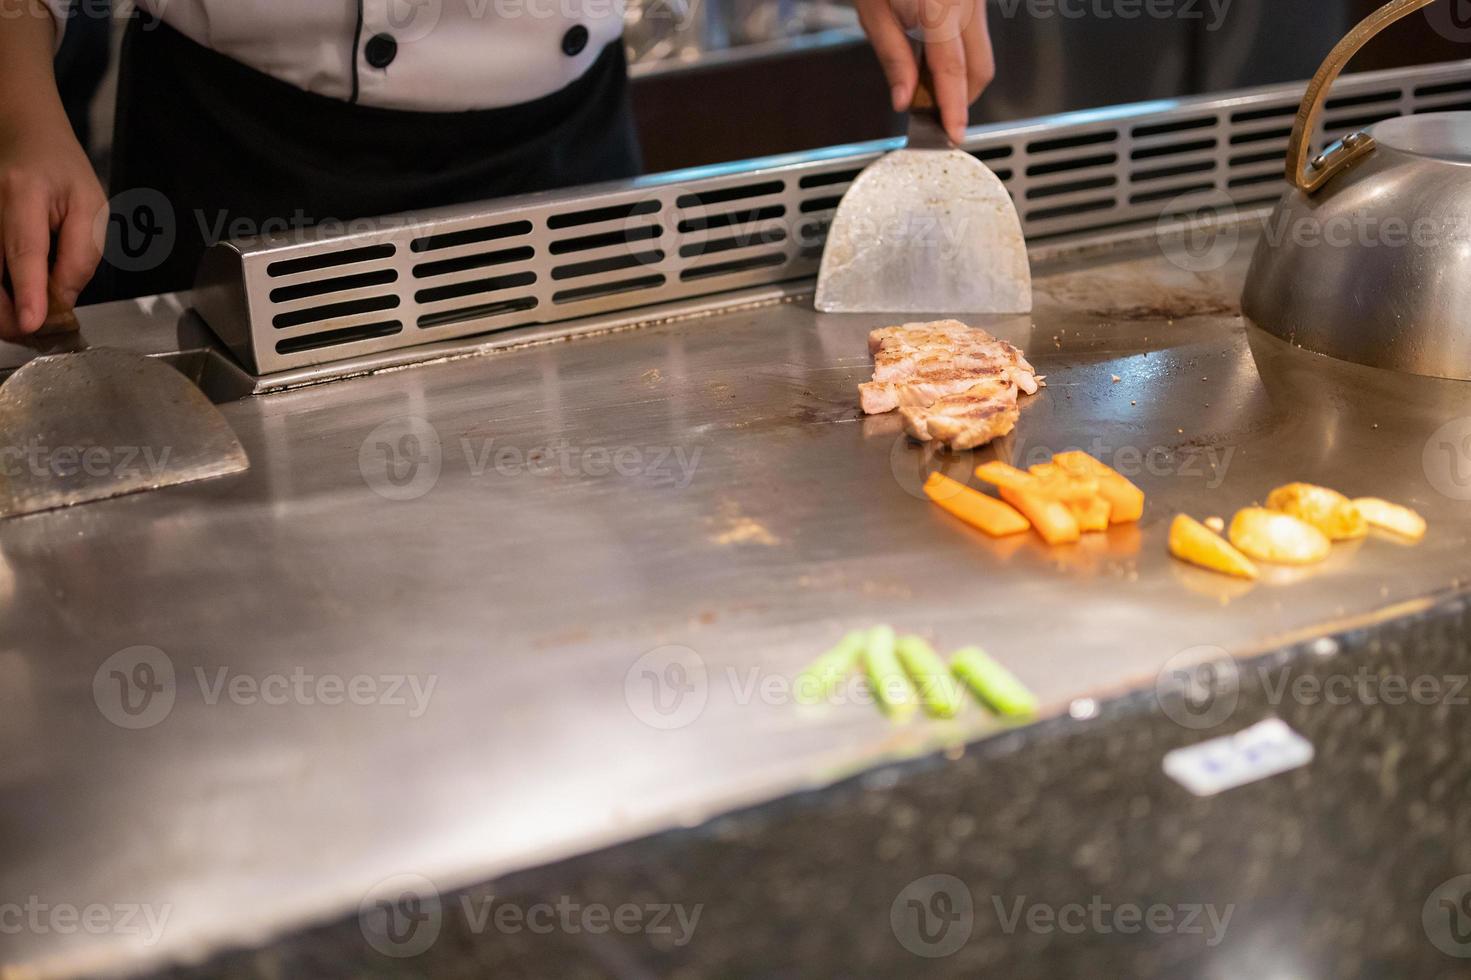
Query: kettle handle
pixel 1309 176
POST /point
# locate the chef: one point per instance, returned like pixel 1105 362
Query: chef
pixel 271 115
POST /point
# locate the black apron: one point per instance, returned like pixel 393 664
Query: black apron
pixel 207 148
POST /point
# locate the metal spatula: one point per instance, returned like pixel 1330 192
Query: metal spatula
pixel 99 423
pixel 926 229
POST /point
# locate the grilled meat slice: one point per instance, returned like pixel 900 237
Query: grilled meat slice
pixel 985 411
pixel 879 397
pixel 916 334
pixel 918 363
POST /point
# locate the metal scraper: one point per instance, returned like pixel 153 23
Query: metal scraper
pixel 926 229
pixel 99 422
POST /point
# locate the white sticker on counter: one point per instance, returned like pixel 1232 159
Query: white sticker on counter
pixel 1265 749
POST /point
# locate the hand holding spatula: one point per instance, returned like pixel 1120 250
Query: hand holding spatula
pixel 926 229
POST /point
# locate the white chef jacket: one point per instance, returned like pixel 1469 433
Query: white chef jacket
pixel 446 55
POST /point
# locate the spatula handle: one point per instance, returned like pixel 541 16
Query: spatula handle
pixel 60 317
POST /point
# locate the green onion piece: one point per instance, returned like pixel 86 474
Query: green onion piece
pixel 941 694
pixel 890 685
pixel 826 672
pixel 993 683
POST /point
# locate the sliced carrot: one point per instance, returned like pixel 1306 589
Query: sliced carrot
pixel 995 517
pixel 1126 499
pixel 1050 517
pixel 1079 491
pixel 1006 475
pixel 1066 485
pixel 1091 514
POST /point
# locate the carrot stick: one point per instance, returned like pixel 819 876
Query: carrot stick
pixel 1124 497
pixel 1091 514
pixel 1050 517
pixel 988 514
pixel 1006 475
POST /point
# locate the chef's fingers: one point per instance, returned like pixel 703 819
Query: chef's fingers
pixel 9 329
pixel 945 59
pixel 27 234
pixel 980 59
pixel 894 49
pixel 77 251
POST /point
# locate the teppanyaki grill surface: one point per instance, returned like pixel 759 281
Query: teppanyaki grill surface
pixel 508 553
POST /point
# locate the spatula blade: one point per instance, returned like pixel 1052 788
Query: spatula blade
pixel 100 423
pixel 926 231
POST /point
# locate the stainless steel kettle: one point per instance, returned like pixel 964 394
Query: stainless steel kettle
pixel 1367 257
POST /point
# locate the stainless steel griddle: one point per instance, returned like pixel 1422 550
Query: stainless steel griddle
pixel 724 498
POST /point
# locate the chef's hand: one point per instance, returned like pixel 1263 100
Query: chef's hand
pixel 46 181
pixel 957 52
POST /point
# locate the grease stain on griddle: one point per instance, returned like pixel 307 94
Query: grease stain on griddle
pixel 1136 298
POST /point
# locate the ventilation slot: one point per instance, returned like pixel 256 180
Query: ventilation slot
pixel 612 263
pixel 1447 107
pixel 332 311
pixel 624 236
pixel 456 290
pixel 828 180
pixel 728 194
pixel 1179 170
pixel 1184 126
pixel 312 263
pixel 1079 163
pixel 1166 193
pixel 1261 136
pixel 1273 112
pixel 608 289
pixel 480 260
pixel 727 268
pixel 332 338
pixel 321 287
pixel 484 311
pixel 711 222
pixel 1350 101
pixel 815 204
pixel 1072 142
pixel 1270 156
pixel 1426 91
pixel 1172 149
pixel 1073 187
pixel 1046 214
pixel 617 212
pixel 471 236
pixel 768 236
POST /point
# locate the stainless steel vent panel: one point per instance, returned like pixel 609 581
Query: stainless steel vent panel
pixel 667 237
